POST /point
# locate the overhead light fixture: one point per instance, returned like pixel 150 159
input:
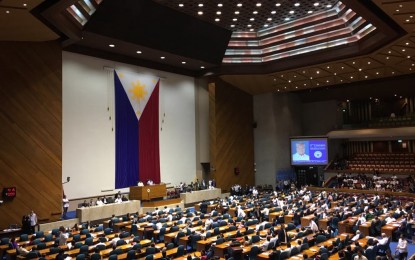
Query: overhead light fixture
pixel 218 12
pixel 200 5
pixel 232 25
pixel 328 6
pixel 217 19
pixel 200 13
pixel 202 67
pixel 111 45
pixel 234 19
pixel 24 5
pixel 162 57
pixel 258 4
pixel 287 19
pixel 251 30
pixel 269 19
pixel 239 5
pixel 277 4
pixel 291 12
pixel 236 12
pixel 249 25
pixel 7 11
pixel 297 4
pixel 251 19
pixel 255 12
pixel 220 5
pixel 310 12
pixel 181 5
pixel 138 52
pixel 316 4
pixel 273 12
pixel 183 62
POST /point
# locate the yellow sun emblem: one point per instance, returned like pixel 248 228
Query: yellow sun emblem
pixel 138 91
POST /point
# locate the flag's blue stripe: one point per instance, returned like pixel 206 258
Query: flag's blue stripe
pixel 126 139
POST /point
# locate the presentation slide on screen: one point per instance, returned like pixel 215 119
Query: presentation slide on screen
pixel 309 151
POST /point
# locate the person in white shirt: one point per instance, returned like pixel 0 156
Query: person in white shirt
pixel 169 217
pixel 208 222
pixel 114 240
pixel 300 152
pixel 63 236
pixel 356 237
pixel 313 226
pixel 265 211
pixel 241 212
pixel 383 240
pixel 150 182
pixel 389 219
pixel 118 200
pixel 362 218
pixel 99 202
pixel 402 248
pixel 65 202
pixel 360 255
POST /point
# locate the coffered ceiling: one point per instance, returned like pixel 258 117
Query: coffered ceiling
pixel 259 46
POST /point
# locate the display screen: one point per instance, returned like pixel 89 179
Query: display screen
pixel 309 151
pixel 9 193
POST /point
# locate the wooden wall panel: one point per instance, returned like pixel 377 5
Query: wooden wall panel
pixel 31 129
pixel 231 135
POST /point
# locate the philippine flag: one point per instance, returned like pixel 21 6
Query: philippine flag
pixel 137 154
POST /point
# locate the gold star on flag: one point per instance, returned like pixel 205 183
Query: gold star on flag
pixel 138 91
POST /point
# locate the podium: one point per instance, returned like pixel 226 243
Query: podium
pixel 148 192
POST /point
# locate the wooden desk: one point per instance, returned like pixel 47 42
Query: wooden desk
pixel 107 210
pixel 305 221
pixel 288 218
pixel 148 192
pixel 200 195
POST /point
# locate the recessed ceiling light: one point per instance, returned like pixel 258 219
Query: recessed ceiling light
pixel 310 12
pixel 408 57
pixel 162 57
pixel 7 11
pixel 360 69
pixel 183 62
pixel 220 5
pixel 273 12
pixel 269 19
pixel 217 19
pixel 277 4
pixel 407 20
pixel 255 12
pixel 368 62
pixel 403 50
pixel 236 12
pixel 353 62
pixel 365 76
pixel 232 25
pixel 251 19
pixel 239 5
pixel 328 67
pixel 258 4
pixel 111 45
pixel 397 10
pixel 138 52
pixel 200 5
pixel 389 52
pixel 181 5
pixel 287 19
pixel 377 73
pixel 328 6
pixel 251 30
pixel 316 4
pixel 393 72
pixel 218 12
pixel 297 4
pixel 335 73
pixel 202 67
pixel 342 68
pixel 25 5
pixel 200 13
pixel 351 77
pixel 407 43
pixel 296 87
pixel 234 19
pixel 291 12
pixel 318 72
pixel 249 25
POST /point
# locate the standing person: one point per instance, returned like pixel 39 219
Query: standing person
pixel 402 248
pixel 26 224
pixel 65 202
pixel 33 222
pixel 63 236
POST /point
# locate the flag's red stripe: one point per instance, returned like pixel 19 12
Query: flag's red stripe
pixel 148 141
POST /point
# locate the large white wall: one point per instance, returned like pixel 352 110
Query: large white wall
pixel 89 141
